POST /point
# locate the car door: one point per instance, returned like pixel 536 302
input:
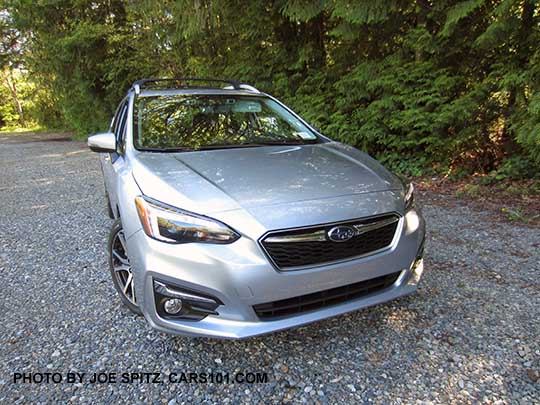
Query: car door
pixel 112 162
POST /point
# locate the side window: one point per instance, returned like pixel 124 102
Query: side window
pixel 116 118
pixel 120 127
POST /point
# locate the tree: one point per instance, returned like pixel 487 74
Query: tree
pixel 10 60
pixel 422 85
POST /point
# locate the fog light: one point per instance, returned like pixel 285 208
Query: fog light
pixel 173 306
pixel 177 303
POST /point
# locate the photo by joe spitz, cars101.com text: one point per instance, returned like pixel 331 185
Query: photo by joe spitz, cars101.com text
pixel 233 217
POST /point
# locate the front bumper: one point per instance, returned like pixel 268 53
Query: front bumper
pixel 239 276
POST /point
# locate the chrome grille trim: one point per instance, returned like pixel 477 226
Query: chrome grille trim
pixel 363 228
pixel 318 236
pixel 321 236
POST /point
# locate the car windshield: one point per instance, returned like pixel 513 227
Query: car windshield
pixel 197 122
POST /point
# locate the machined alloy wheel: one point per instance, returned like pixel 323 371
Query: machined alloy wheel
pixel 121 271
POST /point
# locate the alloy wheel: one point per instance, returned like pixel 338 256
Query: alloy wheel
pixel 122 267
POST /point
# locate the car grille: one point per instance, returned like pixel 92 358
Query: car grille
pixel 303 303
pixel 310 247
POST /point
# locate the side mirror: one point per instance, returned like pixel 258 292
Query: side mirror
pixel 103 143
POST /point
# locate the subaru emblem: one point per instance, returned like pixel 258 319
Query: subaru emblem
pixel 341 233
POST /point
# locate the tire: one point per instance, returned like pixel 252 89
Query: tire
pixel 109 208
pixel 120 268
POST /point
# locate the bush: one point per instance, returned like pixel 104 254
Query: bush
pixel 517 168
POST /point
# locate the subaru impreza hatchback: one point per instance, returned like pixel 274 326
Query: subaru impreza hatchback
pixel 234 217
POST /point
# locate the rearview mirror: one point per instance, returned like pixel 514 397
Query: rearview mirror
pixel 103 143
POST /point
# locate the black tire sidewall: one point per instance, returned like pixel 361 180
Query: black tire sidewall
pixel 109 208
pixel 117 227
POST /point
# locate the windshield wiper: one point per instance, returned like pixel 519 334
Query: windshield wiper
pixel 231 146
pixel 167 150
pixel 284 142
pixel 254 144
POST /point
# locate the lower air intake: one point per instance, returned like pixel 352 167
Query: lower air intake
pixel 304 303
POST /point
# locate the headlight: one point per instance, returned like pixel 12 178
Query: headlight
pixel 169 224
pixel 409 196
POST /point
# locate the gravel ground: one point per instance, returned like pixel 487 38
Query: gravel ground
pixel 471 333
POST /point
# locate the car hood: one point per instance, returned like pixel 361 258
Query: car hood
pixel 225 179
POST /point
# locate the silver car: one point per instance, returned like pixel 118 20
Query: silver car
pixel 234 217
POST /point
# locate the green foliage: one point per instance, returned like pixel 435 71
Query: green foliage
pixel 448 86
pixel 518 215
pixel 516 168
pixel 403 111
pixel 39 108
pixel 458 13
pixel 526 123
pixel 302 10
pixel 365 11
pixel 469 190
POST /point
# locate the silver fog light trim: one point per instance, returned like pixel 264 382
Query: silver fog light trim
pixel 165 290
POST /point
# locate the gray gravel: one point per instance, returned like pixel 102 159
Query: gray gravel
pixel 471 334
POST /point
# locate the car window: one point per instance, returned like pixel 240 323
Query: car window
pixel 116 117
pixel 197 122
pixel 120 127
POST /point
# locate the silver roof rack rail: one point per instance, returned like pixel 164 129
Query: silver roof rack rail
pixel 249 88
pixel 243 86
pixel 180 83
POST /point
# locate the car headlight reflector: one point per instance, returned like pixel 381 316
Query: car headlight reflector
pixel 172 225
